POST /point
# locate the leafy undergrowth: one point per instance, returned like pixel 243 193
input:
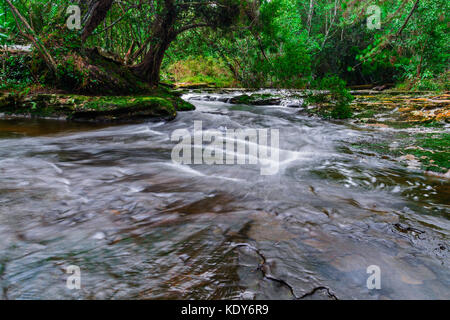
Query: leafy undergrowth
pixel 336 102
pixel 91 71
pixel 15 73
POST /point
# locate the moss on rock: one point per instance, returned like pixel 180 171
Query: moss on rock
pixel 162 105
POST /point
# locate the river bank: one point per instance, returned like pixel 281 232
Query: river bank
pixel 156 104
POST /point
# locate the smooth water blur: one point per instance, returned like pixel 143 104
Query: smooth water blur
pixel 111 201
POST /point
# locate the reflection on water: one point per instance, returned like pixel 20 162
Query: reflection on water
pixel 37 127
pixel 111 201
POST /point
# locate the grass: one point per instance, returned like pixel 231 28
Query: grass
pixel 200 70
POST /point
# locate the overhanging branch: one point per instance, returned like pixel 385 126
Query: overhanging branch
pixel 31 36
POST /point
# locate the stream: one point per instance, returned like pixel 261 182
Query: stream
pixel 110 200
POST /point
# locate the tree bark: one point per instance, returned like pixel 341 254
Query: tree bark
pixel 416 4
pixel 163 34
pixel 149 68
pixel 97 12
pixel 310 15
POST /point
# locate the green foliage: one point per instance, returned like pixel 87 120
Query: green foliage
pixel 339 96
pixel 15 72
pixel 341 111
pixel 283 48
pixel 70 77
pixel 277 43
pixel 441 82
pixel 421 52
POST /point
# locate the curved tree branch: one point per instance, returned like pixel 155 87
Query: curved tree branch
pixel 191 26
pixel 407 19
pixel 31 36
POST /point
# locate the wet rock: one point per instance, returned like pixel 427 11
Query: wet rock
pixel 319 293
pixel 380 88
pixel 256 100
pixel 439 175
pixel 294 105
pixel 411 160
pixel 406 229
pixel 378 125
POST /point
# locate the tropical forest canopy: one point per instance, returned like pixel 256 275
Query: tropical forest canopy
pixel 250 43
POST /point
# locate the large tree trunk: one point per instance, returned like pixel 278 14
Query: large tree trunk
pixel 163 34
pixel 97 11
pixel 149 68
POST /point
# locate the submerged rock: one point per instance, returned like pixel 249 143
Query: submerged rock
pixel 210 98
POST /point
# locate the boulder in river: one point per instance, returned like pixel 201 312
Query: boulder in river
pixel 93 108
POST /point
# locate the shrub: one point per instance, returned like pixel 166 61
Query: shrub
pixel 69 76
pixel 15 71
pixel 339 96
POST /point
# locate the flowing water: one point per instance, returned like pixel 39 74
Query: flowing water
pixel 110 200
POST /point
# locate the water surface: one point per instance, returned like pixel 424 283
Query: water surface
pixel 110 200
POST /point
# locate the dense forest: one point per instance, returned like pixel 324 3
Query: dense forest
pixel 248 43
